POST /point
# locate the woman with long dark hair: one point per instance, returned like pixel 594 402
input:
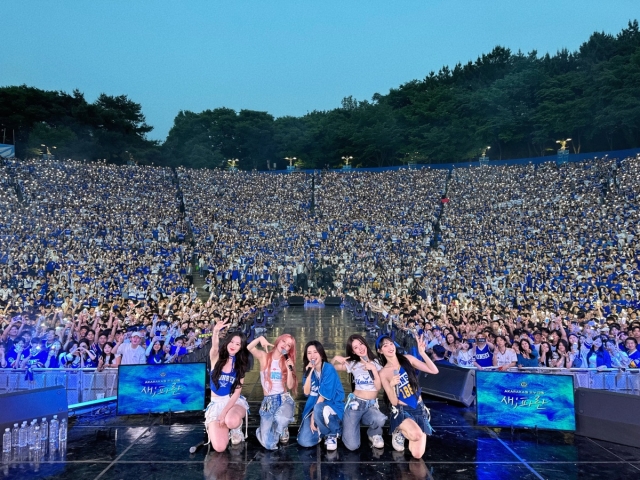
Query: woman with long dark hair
pixel 227 409
pixel 598 356
pixel 324 409
pixel 362 404
pixel 278 378
pixel 545 354
pixel 409 417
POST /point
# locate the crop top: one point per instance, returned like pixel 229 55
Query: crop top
pixel 225 381
pixel 276 379
pixel 361 377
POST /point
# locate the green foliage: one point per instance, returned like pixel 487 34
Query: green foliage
pixel 111 127
pixel 518 104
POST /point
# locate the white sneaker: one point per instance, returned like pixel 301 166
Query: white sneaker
pixel 397 441
pixel 331 444
pixel 378 442
pixel 236 435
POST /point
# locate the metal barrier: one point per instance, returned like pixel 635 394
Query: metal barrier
pixel 89 384
pixel 81 385
pixel 612 379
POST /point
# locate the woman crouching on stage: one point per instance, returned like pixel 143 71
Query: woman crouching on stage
pixel 278 377
pixel 324 409
pixel 409 418
pixel 224 414
pixel 362 404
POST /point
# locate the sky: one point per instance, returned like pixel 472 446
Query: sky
pixel 283 57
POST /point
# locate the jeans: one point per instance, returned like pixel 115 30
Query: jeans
pixel 276 413
pixel 307 438
pixel 367 413
pixel 420 415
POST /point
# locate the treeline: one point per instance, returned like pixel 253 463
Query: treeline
pixel 517 104
pixel 111 128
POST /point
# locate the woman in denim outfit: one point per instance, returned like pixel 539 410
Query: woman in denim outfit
pixel 324 409
pixel 409 417
pixel 278 377
pixel 361 405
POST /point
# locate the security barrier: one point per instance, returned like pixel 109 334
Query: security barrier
pixel 89 384
pixel 82 385
pixel 611 379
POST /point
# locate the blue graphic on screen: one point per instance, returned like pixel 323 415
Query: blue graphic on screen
pixel 525 400
pixel 161 388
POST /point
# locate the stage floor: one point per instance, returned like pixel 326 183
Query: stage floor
pixel 109 447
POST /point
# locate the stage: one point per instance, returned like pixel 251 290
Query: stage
pixel 104 446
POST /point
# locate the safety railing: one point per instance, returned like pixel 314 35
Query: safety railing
pixel 82 385
pixel 612 379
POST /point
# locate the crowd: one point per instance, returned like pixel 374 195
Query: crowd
pixel 522 261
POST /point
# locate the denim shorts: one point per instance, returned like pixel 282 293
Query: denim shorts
pixel 420 415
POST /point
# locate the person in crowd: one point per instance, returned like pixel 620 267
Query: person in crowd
pixel 155 352
pixel 545 357
pixel 228 408
pixel 504 357
pixel 361 405
pixel 324 408
pixel 598 356
pixel 130 353
pixel 563 357
pixel 528 356
pixel 107 358
pixel 409 418
pixel 278 378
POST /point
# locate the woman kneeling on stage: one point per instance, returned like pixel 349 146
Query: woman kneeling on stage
pixel 362 404
pixel 278 377
pixel 409 418
pixel 324 409
pixel 224 414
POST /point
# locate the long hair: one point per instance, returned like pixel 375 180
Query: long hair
pixel 351 355
pixel 241 363
pixel 319 348
pixel 283 367
pixel 402 360
pixel 545 357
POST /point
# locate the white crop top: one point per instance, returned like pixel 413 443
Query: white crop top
pixel 361 377
pixel 275 373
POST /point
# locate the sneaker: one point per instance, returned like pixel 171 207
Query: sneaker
pixel 377 441
pixel 284 438
pixel 397 440
pixel 236 435
pixel 331 444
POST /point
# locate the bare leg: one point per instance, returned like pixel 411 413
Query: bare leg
pixel 218 435
pixel 417 438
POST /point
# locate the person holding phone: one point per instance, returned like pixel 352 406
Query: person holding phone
pixel 361 405
pixel 227 408
pixel 278 378
pixel 324 409
pixel 409 417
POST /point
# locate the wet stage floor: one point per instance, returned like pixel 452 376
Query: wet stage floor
pixel 157 447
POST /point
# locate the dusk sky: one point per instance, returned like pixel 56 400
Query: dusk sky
pixel 284 57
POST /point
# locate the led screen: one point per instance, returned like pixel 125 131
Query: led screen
pixel 161 388
pixel 525 400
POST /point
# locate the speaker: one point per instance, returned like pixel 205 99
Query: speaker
pixel 609 416
pixel 296 301
pixel 332 301
pixel 30 404
pixel 452 383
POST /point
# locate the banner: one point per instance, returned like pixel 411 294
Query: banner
pixel 162 388
pixel 7 151
pixel 525 400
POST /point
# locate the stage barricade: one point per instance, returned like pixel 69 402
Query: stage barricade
pixel 81 385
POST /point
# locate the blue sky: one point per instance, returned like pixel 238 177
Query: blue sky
pixel 284 57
